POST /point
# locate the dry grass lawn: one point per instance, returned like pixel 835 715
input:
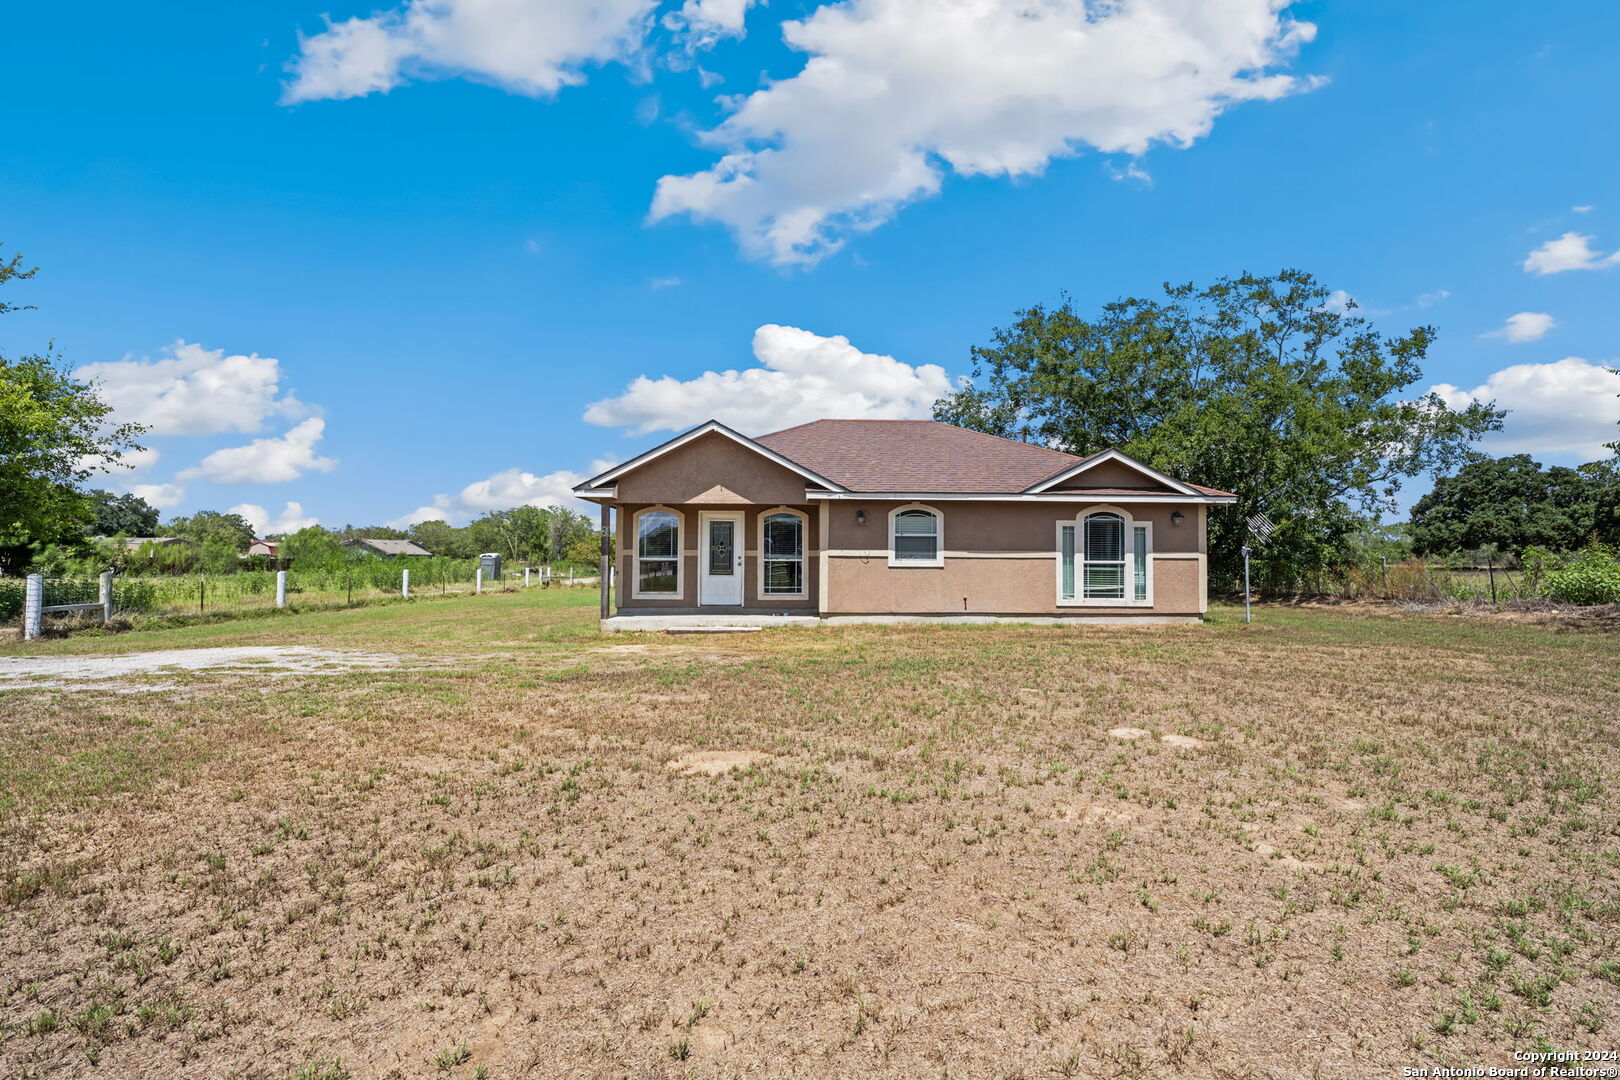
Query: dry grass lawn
pixel 1330 844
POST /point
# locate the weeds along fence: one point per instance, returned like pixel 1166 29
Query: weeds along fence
pixel 1587 577
pixel 160 598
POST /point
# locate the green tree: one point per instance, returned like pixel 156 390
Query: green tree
pixel 230 531
pixel 371 532
pixel 122 515
pixel 54 434
pixel 1255 385
pixel 1509 502
pixel 1603 478
pixel 529 533
pixel 442 538
pixel 314 548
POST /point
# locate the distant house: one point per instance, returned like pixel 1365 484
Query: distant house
pixel 388 548
pixel 135 543
pixel 268 548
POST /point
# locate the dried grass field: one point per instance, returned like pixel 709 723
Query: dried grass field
pixel 1330 844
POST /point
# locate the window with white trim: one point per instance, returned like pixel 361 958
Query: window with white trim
pixel 1102 570
pixel 781 553
pixel 1104 559
pixel 658 553
pixel 914 534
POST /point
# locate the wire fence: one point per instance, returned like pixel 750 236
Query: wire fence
pixel 1579 577
pixel 175 598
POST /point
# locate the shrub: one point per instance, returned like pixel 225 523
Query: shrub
pixel 1593 578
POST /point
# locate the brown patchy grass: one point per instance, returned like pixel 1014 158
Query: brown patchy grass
pixel 1383 839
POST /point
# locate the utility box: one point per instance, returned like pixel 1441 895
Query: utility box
pixel 490 563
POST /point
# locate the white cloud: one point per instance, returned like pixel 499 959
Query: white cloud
pixel 419 515
pixel 1339 302
pixel 894 92
pixel 1572 251
pixel 267 461
pixel 195 391
pixel 503 491
pixel 1525 326
pixel 801 377
pixel 1581 209
pixel 705 22
pixel 1567 407
pixel 290 520
pixel 162 496
pixel 532 47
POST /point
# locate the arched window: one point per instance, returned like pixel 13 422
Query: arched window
pixel 658 553
pixel 781 553
pixel 915 537
pixel 1103 559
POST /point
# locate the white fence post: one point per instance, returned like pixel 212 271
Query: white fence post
pixel 525 577
pixel 106 597
pixel 405 584
pixel 281 588
pixel 478 580
pixel 33 601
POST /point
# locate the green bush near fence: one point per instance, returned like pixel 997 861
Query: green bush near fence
pixel 1593 578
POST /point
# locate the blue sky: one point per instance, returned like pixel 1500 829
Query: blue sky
pixel 425 230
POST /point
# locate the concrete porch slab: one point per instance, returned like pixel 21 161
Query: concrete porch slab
pixel 690 623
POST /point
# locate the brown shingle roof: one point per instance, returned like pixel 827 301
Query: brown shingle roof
pixel 916 455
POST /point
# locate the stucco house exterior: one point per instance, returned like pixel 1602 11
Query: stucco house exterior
pixel 896 520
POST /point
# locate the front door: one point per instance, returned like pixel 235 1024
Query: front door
pixel 720 560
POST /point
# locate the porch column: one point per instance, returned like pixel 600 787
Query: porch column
pixel 607 557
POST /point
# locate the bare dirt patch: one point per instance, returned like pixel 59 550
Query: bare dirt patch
pixel 1182 742
pixel 102 672
pixel 1128 732
pixel 714 762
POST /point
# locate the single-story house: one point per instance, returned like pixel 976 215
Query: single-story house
pixel 388 548
pixel 267 548
pixel 894 520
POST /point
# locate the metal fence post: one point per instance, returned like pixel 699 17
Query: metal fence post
pixel 405 584
pixel 281 588
pixel 106 597
pixel 478 580
pixel 33 601
pixel 1246 616
pixel 525 577
pixel 604 562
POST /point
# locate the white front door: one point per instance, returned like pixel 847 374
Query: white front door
pixel 720 554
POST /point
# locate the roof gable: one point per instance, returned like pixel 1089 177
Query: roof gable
pixel 603 480
pixel 1107 466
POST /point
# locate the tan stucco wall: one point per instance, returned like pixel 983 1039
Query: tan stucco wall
pixel 752 598
pixel 991 586
pixel 991 527
pixel 1000 559
pixel 715 472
